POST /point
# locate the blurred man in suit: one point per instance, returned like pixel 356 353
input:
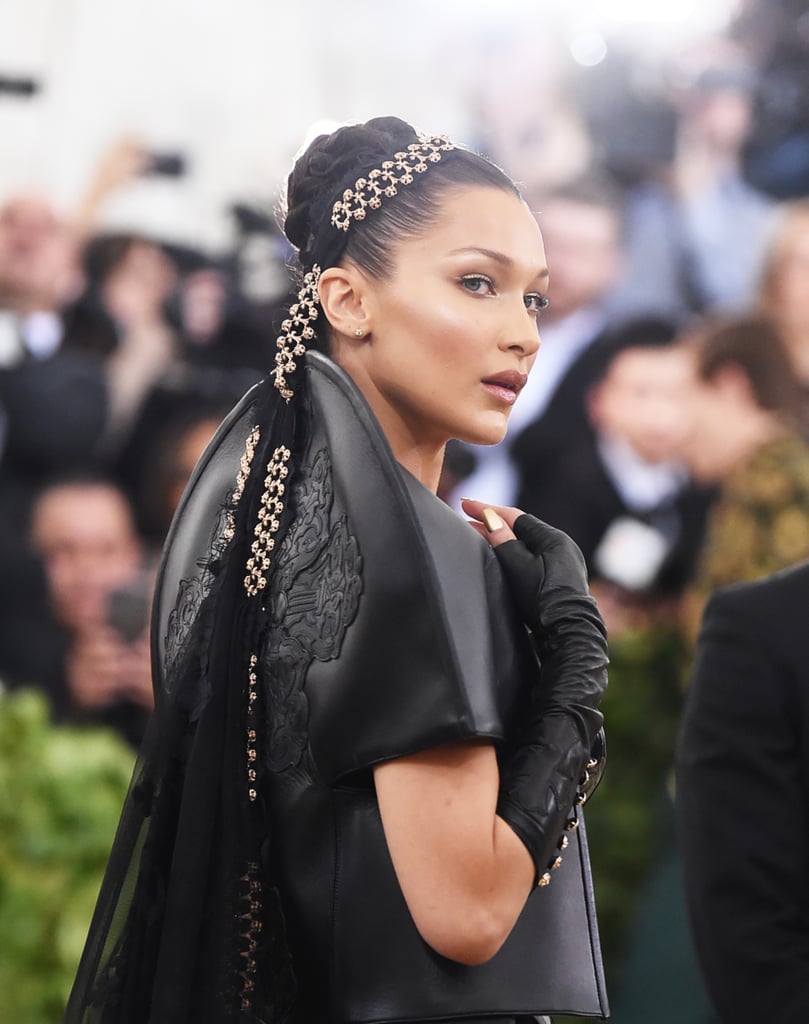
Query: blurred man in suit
pixel 742 785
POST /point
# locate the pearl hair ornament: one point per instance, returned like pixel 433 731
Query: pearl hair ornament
pixel 368 192
pixel 385 181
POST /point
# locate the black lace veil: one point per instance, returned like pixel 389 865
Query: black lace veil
pixel 188 926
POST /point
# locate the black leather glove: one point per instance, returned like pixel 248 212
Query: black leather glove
pixel 538 781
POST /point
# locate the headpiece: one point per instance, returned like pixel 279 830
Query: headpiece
pixel 367 194
pixel 385 180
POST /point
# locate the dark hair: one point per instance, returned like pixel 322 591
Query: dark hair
pixel 81 479
pixel 104 254
pixel 334 162
pixel 644 332
pixel 754 345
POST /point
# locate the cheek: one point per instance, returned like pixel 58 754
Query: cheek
pixel 442 349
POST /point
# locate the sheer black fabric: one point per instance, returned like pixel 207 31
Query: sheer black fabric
pixel 188 927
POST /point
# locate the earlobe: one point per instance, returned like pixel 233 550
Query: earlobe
pixel 342 298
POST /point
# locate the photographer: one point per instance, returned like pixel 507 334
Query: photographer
pixel 82 531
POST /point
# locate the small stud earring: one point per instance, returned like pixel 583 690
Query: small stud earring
pixel 358 333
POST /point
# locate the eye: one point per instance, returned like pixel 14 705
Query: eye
pixel 478 284
pixel 535 303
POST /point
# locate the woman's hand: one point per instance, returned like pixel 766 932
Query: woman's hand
pixel 545 569
pixel 547 577
pixel 493 522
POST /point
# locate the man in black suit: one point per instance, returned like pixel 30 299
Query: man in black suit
pixel 742 785
pixel 615 484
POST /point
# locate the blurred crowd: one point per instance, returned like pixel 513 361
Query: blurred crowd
pixel 119 356
pixel 666 421
pixel 665 425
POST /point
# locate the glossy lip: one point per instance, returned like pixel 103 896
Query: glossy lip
pixel 512 380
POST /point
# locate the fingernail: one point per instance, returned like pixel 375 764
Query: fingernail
pixel 491 520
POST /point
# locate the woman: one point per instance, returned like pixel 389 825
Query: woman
pixel 358 772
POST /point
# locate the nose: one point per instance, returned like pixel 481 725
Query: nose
pixel 521 332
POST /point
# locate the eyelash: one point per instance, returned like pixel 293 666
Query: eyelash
pixel 540 302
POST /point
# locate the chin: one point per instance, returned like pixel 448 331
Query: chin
pixel 483 435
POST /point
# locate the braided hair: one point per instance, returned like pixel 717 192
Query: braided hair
pixel 332 163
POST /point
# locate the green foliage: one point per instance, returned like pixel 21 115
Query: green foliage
pixel 642 712
pixel 61 792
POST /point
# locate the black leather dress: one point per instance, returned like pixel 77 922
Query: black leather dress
pixel 392 633
pixel 251 841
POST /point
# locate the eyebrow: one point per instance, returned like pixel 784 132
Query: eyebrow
pixel 493 254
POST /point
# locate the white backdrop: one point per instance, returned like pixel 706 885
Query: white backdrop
pixel 236 84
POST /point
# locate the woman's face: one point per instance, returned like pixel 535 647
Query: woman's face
pixel 453 330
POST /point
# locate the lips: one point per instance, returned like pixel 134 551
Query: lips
pixel 508 380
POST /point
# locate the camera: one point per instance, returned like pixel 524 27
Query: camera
pixel 166 165
pixel 128 610
pixel 18 86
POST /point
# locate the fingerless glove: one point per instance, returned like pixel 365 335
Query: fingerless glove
pixel 539 779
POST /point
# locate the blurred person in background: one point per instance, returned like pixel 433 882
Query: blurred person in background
pixel 581 227
pixel 776 35
pixel 620 490
pixel 168 457
pixel 53 404
pixel 784 292
pixel 55 392
pixel 740 436
pixel 696 229
pixel 741 799
pixel 39 273
pixel 130 279
pixel 83 532
pixel 742 414
pixel 526 114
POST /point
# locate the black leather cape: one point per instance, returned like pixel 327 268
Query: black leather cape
pixel 385 628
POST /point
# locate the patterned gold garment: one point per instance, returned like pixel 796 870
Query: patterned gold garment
pixel 760 522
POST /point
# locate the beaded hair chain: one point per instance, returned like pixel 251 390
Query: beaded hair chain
pixel 382 182
pixel 368 193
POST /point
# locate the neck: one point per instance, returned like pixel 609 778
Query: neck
pixel 420 456
pixel 424 466
pixel 423 457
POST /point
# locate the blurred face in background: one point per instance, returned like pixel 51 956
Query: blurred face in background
pixel 785 291
pixel 85 536
pixel 186 453
pixel 721 118
pixel 641 401
pixel 717 414
pixel 137 287
pixel 38 268
pixel 582 244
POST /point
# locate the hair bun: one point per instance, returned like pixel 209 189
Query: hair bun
pixel 329 163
